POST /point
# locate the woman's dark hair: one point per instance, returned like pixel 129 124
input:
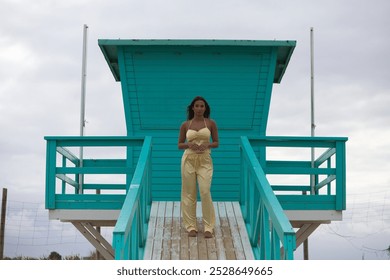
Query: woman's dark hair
pixel 190 112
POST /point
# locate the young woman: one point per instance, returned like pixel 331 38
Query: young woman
pixel 197 166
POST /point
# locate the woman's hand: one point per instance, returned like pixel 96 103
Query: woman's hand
pixel 203 147
pixel 193 146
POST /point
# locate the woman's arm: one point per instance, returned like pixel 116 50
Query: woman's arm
pixel 182 137
pixel 214 135
pixel 182 145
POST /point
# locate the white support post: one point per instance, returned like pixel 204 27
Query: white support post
pixel 82 109
pixel 313 126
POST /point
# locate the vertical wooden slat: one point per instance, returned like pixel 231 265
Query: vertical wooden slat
pixel 236 238
pixel 219 245
pixel 211 249
pixel 184 244
pixel 193 246
pixel 201 244
pixel 243 232
pixel 176 225
pixel 227 238
pixel 151 232
pixel 167 238
pixel 158 238
pixel 265 246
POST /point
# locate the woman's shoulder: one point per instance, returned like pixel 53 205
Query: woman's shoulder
pixel 211 122
pixel 184 124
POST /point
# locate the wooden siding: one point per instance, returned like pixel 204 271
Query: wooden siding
pixel 158 83
pixel 166 173
pixel 161 81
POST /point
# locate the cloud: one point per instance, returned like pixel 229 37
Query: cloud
pixel 40 72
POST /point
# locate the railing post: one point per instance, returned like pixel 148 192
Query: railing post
pixel 51 147
pixel 63 183
pixel 275 253
pixel 242 181
pixel 340 176
pixel 329 165
pixel 265 246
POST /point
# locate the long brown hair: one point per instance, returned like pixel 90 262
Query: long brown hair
pixel 190 112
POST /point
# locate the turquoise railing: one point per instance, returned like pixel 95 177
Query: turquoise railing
pixel 67 189
pixel 65 172
pixel 319 181
pixel 130 232
pixel 321 186
pixel 268 227
pixel 262 203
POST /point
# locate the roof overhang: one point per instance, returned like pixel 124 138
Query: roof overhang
pixel 285 49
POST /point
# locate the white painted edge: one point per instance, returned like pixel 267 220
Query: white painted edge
pixel 83 215
pixel 314 215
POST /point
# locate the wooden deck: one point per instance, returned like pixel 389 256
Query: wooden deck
pixel 168 240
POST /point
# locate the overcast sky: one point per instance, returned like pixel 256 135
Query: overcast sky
pixel 40 72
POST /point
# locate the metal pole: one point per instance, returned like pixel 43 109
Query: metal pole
pixel 82 113
pixel 313 126
pixel 2 227
pixel 82 109
pixel 312 177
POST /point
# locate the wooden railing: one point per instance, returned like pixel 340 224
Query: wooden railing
pixel 322 179
pixel 65 184
pixel 263 204
pixel 67 189
pixel 131 229
pixel 268 227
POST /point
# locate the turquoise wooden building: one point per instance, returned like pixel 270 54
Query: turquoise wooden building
pixel 266 206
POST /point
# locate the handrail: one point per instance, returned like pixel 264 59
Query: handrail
pixel 130 232
pixel 329 170
pixel 69 196
pixel 268 227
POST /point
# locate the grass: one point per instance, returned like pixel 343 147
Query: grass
pixel 55 256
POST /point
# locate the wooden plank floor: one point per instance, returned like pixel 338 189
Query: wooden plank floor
pixel 168 240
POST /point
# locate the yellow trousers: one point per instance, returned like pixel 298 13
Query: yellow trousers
pixel 197 168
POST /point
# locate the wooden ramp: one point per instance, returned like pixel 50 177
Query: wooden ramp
pixel 168 240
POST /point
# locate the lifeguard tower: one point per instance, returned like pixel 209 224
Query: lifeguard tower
pixel 269 194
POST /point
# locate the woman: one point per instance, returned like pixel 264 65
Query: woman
pixel 197 165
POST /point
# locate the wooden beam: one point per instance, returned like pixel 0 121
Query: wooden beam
pixel 2 225
pixel 305 231
pixel 96 239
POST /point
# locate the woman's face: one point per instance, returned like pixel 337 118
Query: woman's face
pixel 199 108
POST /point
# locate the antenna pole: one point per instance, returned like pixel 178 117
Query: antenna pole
pixel 313 126
pixel 82 109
